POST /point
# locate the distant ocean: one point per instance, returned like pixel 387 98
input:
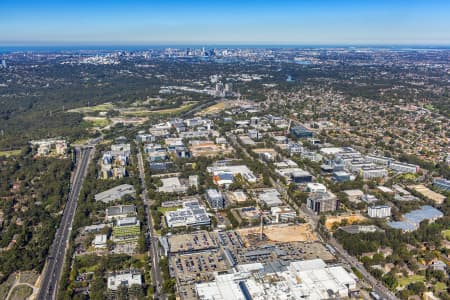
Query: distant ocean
pixel 108 48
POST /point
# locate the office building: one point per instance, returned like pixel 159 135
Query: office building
pixel 116 193
pixel 215 199
pixel 404 167
pixel 191 214
pixel 442 184
pixel 379 160
pixel 126 279
pixel 322 202
pixel 373 172
pixel 341 176
pixel 270 197
pixel 379 211
pixel 316 187
pixel 301 131
pixel 301 177
pixel 120 212
pixel 283 214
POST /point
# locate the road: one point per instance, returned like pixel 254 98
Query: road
pixel 55 262
pixel 313 219
pixel 153 251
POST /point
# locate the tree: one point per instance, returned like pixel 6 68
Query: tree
pixel 418 288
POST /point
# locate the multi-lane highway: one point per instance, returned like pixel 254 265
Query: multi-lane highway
pixel 52 271
pixel 153 249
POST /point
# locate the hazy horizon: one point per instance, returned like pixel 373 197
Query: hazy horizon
pixel 137 22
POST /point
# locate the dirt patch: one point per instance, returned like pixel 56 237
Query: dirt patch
pixel 282 233
pixel 350 219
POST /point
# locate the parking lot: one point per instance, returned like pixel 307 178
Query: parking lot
pixel 230 239
pixel 196 241
pixel 198 266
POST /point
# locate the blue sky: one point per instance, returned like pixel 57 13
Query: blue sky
pixel 221 22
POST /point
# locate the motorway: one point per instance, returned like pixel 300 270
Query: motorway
pixel 153 251
pixel 55 262
pixel 313 219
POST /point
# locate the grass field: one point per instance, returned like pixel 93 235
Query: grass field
pixel 21 292
pixel 163 210
pixel 90 109
pixel 143 112
pixel 6 285
pixel 9 153
pixel 405 281
pixel 213 109
pixel 97 121
pixel 446 234
pixel 440 286
pixel 80 142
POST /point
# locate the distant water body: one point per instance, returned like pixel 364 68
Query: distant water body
pixel 109 48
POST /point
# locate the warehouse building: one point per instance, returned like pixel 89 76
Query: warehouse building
pixel 309 279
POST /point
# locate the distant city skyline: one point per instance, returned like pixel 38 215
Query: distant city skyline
pixel 346 22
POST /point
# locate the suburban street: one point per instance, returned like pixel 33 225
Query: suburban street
pixel 153 249
pixel 51 274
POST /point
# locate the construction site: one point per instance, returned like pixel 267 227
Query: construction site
pixel 283 233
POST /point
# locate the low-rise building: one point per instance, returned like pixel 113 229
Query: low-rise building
pixel 120 211
pixel 411 221
pixel 126 229
pixel 236 196
pixel 145 138
pixel 172 185
pixel 354 195
pixel 191 214
pixel 283 214
pixel 301 131
pixel 126 279
pixel 341 176
pixel 241 170
pixel 315 187
pixel 442 184
pixel 404 167
pixel 379 211
pixel 354 229
pixel 373 172
pixel 99 241
pixel 369 198
pixel 115 193
pixel 270 197
pixel 309 279
pixel 379 160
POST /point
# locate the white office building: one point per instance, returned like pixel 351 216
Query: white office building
pixel 315 187
pixel 309 279
pixel 373 172
pixel 379 211
pixel 126 279
pixel 403 167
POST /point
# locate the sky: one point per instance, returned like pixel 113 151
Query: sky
pixel 160 22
